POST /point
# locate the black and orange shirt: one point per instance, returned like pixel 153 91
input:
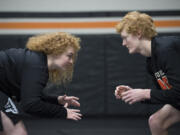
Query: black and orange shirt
pixel 164 66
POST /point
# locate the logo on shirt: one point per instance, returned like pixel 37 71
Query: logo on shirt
pixel 11 107
pixel 162 80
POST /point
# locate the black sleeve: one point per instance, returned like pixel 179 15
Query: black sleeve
pixel 34 79
pixel 51 98
pixel 172 67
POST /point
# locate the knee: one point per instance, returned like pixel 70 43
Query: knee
pixel 154 122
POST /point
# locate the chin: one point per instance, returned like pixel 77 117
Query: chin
pixel 60 68
pixel 131 52
pixel 63 69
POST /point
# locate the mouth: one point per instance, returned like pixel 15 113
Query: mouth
pixel 68 66
pixel 128 47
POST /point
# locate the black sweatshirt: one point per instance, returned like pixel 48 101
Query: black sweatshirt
pixel 24 74
pixel 164 65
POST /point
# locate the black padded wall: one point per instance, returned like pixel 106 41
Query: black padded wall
pixel 102 64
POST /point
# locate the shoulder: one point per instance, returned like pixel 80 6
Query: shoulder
pixel 13 54
pixel 166 39
pixel 14 50
pixel 35 58
pixel 166 43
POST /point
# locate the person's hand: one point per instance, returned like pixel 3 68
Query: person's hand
pixel 70 100
pixel 10 128
pixel 73 114
pixel 120 89
pixel 135 95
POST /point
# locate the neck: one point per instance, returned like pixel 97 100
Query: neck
pixel 145 49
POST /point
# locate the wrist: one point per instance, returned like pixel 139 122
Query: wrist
pixel 60 100
pixel 147 93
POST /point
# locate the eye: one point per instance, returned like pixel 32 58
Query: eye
pixel 70 56
pixel 124 38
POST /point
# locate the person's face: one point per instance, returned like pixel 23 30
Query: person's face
pixel 64 60
pixel 131 42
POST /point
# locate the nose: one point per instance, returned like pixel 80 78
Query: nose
pixel 124 43
pixel 71 61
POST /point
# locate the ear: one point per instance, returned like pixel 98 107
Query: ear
pixel 139 34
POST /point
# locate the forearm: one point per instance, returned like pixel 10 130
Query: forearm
pixel 165 96
pixel 51 99
pixel 43 108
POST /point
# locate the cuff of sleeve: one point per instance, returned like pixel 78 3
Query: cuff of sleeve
pixel 54 100
pixel 63 113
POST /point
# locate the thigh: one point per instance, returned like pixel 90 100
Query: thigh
pixel 168 115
